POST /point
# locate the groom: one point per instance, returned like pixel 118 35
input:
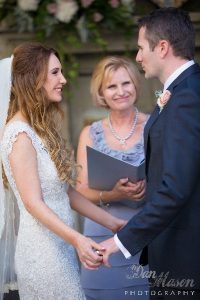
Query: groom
pixel 169 224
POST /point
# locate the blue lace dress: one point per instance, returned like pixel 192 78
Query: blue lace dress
pixel 117 282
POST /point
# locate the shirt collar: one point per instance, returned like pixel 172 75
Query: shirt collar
pixel 178 71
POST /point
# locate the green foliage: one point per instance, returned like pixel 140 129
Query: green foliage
pixel 69 23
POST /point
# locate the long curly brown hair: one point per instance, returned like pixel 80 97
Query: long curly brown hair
pixel 29 73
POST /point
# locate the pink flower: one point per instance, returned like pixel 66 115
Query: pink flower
pixel 52 8
pixel 97 17
pixel 114 3
pixel 163 99
pixel 86 3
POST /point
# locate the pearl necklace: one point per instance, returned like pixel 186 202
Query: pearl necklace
pixel 122 140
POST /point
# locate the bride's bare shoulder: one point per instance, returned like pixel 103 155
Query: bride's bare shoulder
pixel 17 117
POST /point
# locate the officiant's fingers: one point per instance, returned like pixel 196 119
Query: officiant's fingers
pixel 135 194
pixel 123 181
pixel 137 185
pixel 120 184
pixel 143 184
pixel 140 196
pixel 137 188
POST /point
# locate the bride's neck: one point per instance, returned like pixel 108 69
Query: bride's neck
pixel 18 117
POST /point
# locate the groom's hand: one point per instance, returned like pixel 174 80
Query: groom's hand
pixel 110 247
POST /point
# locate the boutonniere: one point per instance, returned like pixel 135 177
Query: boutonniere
pixel 163 98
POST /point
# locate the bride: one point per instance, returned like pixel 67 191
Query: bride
pixel 40 171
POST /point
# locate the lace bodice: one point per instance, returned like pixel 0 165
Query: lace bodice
pixel 51 185
pixel 133 155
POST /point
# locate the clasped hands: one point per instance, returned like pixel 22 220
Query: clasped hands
pixel 91 254
pixel 99 253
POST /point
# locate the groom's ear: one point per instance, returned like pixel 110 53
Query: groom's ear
pixel 163 48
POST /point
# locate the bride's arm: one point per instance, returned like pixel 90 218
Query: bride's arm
pixel 23 162
pixel 88 209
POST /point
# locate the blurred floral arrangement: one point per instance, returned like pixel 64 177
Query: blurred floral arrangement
pixel 84 19
pixel 68 22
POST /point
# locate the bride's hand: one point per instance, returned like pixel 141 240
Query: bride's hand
pixel 89 252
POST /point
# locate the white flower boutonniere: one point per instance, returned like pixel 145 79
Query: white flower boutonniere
pixel 163 98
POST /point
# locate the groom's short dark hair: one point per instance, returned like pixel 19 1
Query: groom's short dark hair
pixel 171 24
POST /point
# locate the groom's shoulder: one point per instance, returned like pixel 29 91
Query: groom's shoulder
pixel 194 76
pixel 195 69
pixel 191 76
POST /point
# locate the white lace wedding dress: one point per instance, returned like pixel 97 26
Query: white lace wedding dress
pixel 46 266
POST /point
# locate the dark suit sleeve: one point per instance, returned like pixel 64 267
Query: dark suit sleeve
pixel 180 170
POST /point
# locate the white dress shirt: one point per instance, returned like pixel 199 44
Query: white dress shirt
pixel 178 71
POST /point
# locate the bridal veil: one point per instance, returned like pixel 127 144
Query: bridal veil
pixel 8 209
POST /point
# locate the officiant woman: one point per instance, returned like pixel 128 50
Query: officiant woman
pixel 115 86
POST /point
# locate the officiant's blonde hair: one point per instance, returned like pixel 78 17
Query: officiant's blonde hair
pixel 104 70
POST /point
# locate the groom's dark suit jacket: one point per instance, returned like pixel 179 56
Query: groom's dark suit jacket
pixel 169 224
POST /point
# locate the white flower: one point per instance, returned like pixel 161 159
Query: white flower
pixel 28 5
pixel 66 10
pixel 163 98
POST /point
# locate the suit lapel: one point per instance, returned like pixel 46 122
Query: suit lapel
pixel 154 116
pixel 150 122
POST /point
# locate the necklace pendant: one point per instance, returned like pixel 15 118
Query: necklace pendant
pixel 122 141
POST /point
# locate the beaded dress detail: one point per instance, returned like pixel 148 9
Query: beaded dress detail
pixel 46 265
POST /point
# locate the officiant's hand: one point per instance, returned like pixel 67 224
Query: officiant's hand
pixel 137 190
pixel 124 189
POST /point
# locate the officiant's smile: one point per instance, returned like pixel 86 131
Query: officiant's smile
pixel 119 90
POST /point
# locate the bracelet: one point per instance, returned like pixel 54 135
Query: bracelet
pixel 101 203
